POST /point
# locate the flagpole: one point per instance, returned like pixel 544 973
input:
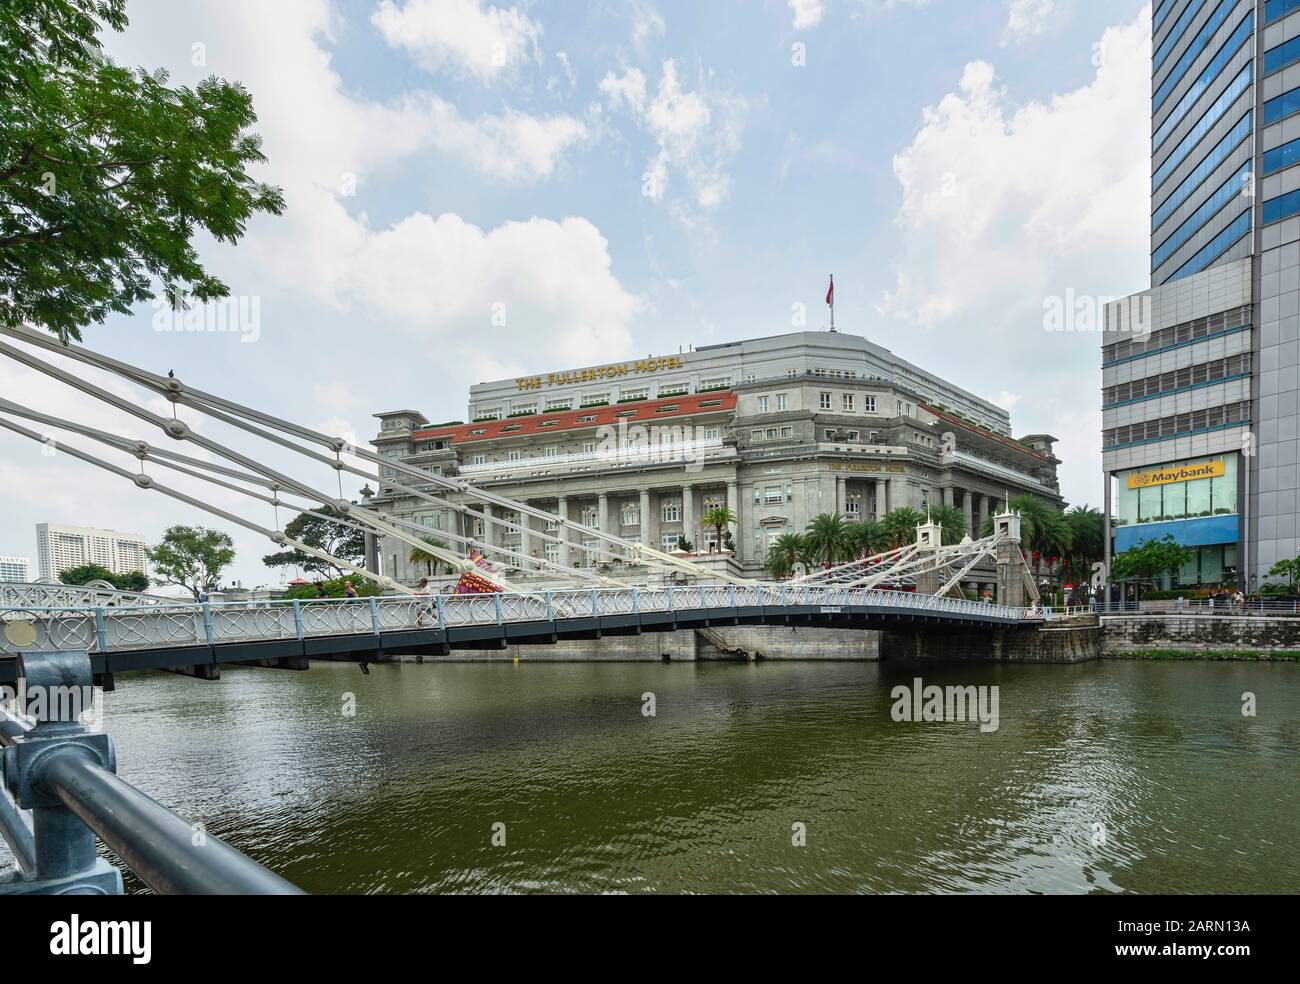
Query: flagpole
pixel 832 296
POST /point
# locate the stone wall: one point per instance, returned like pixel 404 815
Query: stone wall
pixel 1048 644
pixel 1200 633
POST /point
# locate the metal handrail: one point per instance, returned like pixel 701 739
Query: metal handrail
pixel 150 839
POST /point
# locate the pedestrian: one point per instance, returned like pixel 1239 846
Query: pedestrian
pixel 320 590
pixel 349 591
pixel 422 606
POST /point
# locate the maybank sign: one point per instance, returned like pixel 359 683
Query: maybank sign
pixel 1180 473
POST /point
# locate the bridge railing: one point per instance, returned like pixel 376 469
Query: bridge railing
pixel 120 628
pixel 61 791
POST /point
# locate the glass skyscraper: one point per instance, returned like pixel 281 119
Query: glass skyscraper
pixel 1201 373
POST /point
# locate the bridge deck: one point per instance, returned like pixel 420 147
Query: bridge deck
pixel 170 635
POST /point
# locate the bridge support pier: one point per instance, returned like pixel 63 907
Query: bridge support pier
pixel 200 671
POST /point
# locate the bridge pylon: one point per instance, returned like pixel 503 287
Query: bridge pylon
pixel 929 537
pixel 1013 575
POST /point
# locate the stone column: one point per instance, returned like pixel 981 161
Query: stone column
pixel 733 503
pixel 881 504
pixel 647 528
pixel 688 514
pixel 488 526
pixel 841 488
pixel 562 510
pixel 968 507
pixel 602 512
pixel 896 486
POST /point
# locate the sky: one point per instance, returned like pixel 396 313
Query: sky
pixel 477 190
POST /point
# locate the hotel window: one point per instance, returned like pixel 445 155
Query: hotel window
pixel 590 516
pixel 904 409
pixel 771 434
pixel 868 404
pixel 586 418
pixel 825 401
pixel 551 451
pixel 512 455
pixel 789 495
pixel 851 436
pixel 630 513
pixel 553 405
pixel 712 433
pixel 511 428
pixel 476 527
pixel 717 382
pixel 492 414
pixel 782 401
pixel 750 377
pixel 848 402
pixel 588 447
pixel 787 432
pixel 553 552
pixel 480 459
pixel 762 404
pixel 713 502
pixel 672 511
pixel 791 373
pixel 477 431
pixel 772 493
pixel 669 541
pixel 592 398
pixel 548 423
pixel 552 525
pixel 756 435
pixel 634 394
pixel 524 410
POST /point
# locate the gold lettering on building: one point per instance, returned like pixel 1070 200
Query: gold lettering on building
pixel 869 466
pixel 596 374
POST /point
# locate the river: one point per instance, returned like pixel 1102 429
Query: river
pixel 1108 777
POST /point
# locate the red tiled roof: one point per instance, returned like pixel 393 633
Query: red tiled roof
pixel 640 412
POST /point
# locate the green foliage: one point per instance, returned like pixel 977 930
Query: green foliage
pixel 785 552
pixel 953 521
pixel 107 174
pixel 1289 569
pixel 192 557
pixel 826 540
pixel 900 526
pixel 334 588
pixel 866 538
pixel 685 545
pixel 719 517
pixel 340 541
pixel 1150 560
pixel 134 581
pixel 431 561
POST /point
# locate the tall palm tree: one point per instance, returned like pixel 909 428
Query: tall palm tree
pixel 900 526
pixel 826 538
pixel 1088 528
pixel 953 521
pixel 432 562
pixel 866 538
pixel 786 551
pixel 718 517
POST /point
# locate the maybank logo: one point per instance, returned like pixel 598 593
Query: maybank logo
pixel 1183 473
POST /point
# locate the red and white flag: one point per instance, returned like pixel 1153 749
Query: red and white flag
pixel 830 291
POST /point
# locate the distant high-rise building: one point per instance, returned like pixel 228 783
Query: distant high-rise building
pixel 14 568
pixel 59 547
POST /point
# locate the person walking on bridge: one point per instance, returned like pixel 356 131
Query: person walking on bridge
pixel 423 606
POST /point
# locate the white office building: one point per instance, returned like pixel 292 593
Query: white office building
pixel 59 547
pixel 15 568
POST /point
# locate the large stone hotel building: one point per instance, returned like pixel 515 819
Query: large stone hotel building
pixel 778 429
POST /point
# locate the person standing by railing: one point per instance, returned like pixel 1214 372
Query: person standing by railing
pixel 423 606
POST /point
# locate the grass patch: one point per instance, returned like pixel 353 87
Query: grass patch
pixel 1215 655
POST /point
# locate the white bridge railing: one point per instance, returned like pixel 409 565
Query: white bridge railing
pixel 165 625
pixel 39 594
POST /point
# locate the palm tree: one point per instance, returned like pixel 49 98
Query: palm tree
pixel 431 561
pixel 826 538
pixel 900 526
pixel 953 521
pixel 866 538
pixel 718 517
pixel 1088 528
pixel 786 551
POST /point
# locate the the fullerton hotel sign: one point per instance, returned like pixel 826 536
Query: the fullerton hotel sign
pixel 594 374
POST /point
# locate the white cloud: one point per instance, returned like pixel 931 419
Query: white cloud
pixel 1028 18
pixel 1004 206
pixel 807 13
pixel 461 35
pixel 697 132
pixel 647 24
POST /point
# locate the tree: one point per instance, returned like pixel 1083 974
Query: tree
pixel 345 542
pixel 900 526
pixel 134 581
pixel 786 551
pixel 431 561
pixel 953 521
pixel 107 174
pixel 719 517
pixel 1087 529
pixel 192 557
pixel 1150 559
pixel 1290 569
pixel 866 538
pixel 826 539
